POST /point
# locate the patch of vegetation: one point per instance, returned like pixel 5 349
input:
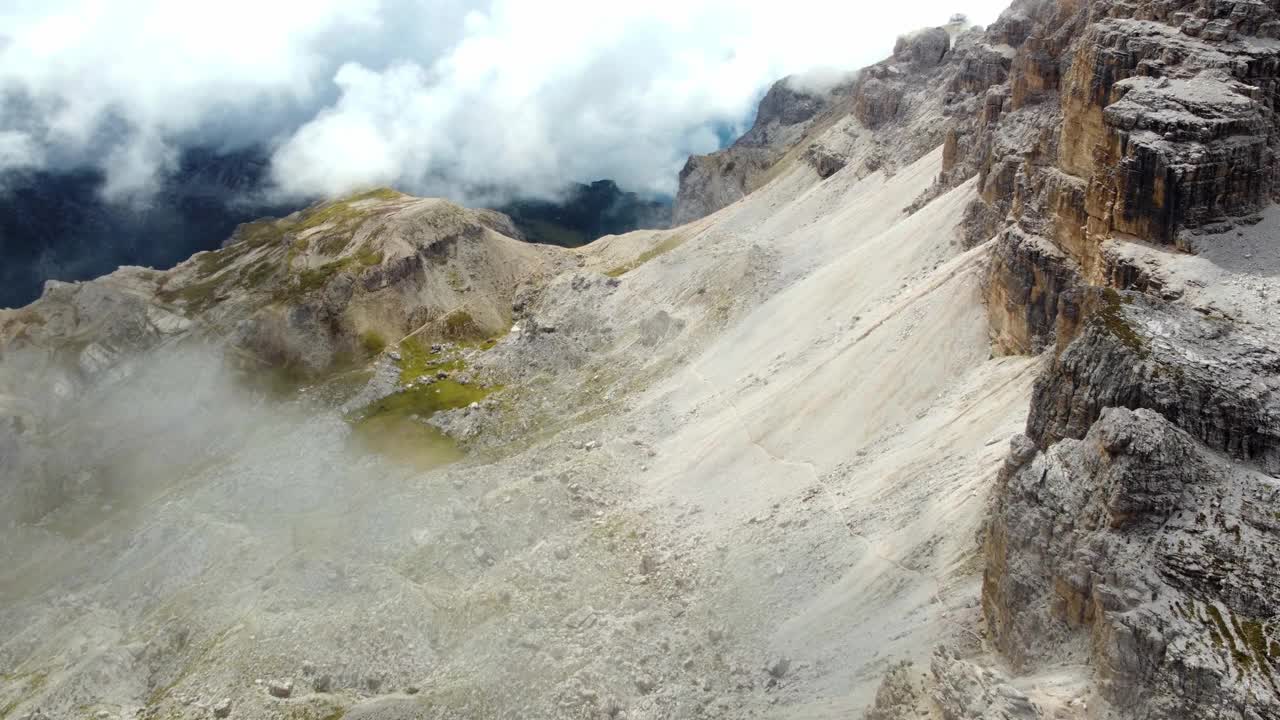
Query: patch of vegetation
pixel 1214 634
pixel 427 399
pixel 259 275
pixel 662 248
pixel 298 247
pixel 459 325
pixel 382 193
pixel 215 261
pixel 196 296
pixel 372 342
pixel 1254 637
pixel 262 233
pixel 343 211
pixel 316 278
pixel 396 425
pixel 334 243
pixel 1111 317
pixel 34 682
pixel 416 360
pixel 368 257
pixel 1224 633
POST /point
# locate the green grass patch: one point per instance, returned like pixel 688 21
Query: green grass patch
pixel 408 441
pixel 662 248
pixel 263 232
pixel 395 426
pixel 343 211
pixel 196 296
pixel 368 257
pixel 1221 624
pixel 416 360
pixel 34 682
pixel 298 247
pixel 215 261
pixel 259 275
pixel 316 278
pixel 335 242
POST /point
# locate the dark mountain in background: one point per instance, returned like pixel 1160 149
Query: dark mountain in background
pixel 56 226
pixel 586 213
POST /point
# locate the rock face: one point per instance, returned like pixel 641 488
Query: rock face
pixel 1130 526
pixel 883 117
pixel 1210 378
pixel 710 182
pixel 1138 547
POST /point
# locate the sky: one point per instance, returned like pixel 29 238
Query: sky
pixel 439 97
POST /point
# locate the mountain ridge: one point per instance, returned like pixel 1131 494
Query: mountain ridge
pixel 958 401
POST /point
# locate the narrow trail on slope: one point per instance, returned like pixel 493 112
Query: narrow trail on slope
pixel 839 514
pixel 962 264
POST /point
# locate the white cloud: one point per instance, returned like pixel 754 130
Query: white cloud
pixel 443 97
pixel 18 150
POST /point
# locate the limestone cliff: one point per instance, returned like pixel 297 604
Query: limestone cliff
pixel 1128 528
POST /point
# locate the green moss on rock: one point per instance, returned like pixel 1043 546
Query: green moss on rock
pixel 1111 317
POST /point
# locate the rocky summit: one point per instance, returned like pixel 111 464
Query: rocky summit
pixel 954 393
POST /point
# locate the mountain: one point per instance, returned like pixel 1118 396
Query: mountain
pixel 955 396
pixel 54 225
pixel 586 213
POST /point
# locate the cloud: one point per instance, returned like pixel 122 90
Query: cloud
pixel 18 150
pixel 451 97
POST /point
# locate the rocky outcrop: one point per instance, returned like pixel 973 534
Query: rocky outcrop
pixel 1030 288
pixel 967 690
pixel 1207 375
pixel 1151 555
pixel 1129 525
pixel 829 126
pixel 924 48
pixel 710 182
pixel 959 689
